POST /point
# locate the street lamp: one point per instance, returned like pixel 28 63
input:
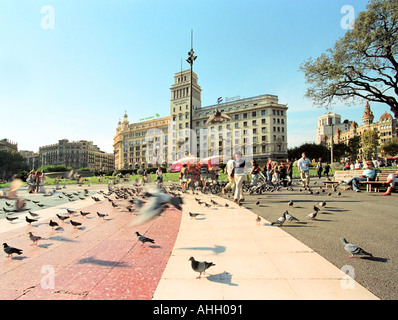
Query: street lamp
pixel 190 60
pixel 332 140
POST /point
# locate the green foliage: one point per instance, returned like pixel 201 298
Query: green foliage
pixel 369 141
pixel 83 169
pixel 55 168
pixel 312 150
pixel 390 147
pixel 362 64
pixel 354 144
pixel 10 163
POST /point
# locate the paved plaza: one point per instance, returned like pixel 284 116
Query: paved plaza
pixel 103 260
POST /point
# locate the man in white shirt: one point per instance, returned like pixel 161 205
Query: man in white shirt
pixel 231 183
pixel 392 179
pixel 303 165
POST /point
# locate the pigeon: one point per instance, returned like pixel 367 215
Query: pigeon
pixel 8 204
pixel 70 211
pixel 84 213
pixel 200 266
pixel 290 203
pixel 217 117
pixel 226 205
pixel 144 239
pixel 258 220
pixel 312 215
pixel 35 201
pixel 75 223
pixel 40 205
pixel 290 218
pixel 280 220
pixel 322 204
pixel 353 249
pixel 34 238
pixel 114 205
pixel 155 206
pixel 63 218
pixel 257 203
pixel 316 208
pixel 101 215
pixel 10 250
pixel 193 215
pixel 33 214
pixel 53 224
pixel 29 220
pixel 11 219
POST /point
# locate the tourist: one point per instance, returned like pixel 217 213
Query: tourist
pixel 145 176
pixel 303 165
pixel 282 173
pixel 289 171
pixel 392 179
pixel 239 176
pixel 268 170
pixel 326 170
pixel 184 176
pixel 204 174
pixel 31 180
pixel 319 169
pixel 357 165
pixel 368 174
pixel 159 176
pixel 230 172
pixel 255 172
pixel 376 163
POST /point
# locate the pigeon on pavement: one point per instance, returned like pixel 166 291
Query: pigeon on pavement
pixel 312 215
pixel 280 220
pixel 101 215
pixel 322 204
pixel 29 220
pixel 200 266
pixel 290 218
pixel 75 223
pixel 291 203
pixel 353 249
pixel 10 250
pixel 11 219
pixel 63 218
pixel 144 239
pixel 193 215
pixel 84 213
pixel 53 224
pixel 34 238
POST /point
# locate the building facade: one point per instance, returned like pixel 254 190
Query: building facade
pixel 328 123
pixel 386 128
pixel 76 154
pixel 256 126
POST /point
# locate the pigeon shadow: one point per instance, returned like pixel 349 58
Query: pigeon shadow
pixel 377 259
pixel 104 263
pixel 60 238
pixel 44 245
pixel 216 249
pixel 224 278
pixel 155 246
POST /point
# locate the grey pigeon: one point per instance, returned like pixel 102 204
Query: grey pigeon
pixel 280 220
pixel 289 217
pixel 75 223
pixel 312 215
pixel 291 203
pixel 63 218
pixel 193 215
pixel 29 220
pixel 353 249
pixel 101 215
pixel 322 204
pixel 34 238
pixel 53 224
pixel 144 239
pixel 10 250
pixel 200 266
pixel 155 206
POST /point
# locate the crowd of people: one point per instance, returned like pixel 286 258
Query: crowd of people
pixel 35 180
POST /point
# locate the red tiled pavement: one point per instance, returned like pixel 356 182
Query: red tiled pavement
pixel 101 260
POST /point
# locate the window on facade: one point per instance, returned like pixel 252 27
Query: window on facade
pixel 254 122
pixel 254 114
pixel 245 116
pixel 262 121
pixel 263 112
pixel 236 116
pixel 245 124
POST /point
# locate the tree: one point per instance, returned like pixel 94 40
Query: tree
pixel 312 150
pixel 11 163
pixel 362 64
pixel 340 150
pixel 369 141
pixel 354 144
pixel 390 147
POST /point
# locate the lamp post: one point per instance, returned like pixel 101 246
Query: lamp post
pixel 190 60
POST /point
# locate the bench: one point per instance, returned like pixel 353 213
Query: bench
pixel 380 181
pixel 343 175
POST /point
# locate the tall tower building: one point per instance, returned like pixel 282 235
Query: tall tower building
pixel 180 111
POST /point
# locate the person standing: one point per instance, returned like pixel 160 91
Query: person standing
pixel 326 170
pixel 255 171
pixel 303 165
pixel 184 176
pixel 268 170
pixel 230 172
pixel 289 172
pixel 159 176
pixel 239 176
pixel 204 174
pixel 319 169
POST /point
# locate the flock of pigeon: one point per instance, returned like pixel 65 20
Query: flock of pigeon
pixel 148 204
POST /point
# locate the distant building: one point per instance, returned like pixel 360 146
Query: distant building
pixel 324 128
pixel 386 128
pixel 76 154
pixel 256 126
pixel 8 145
pixel 32 158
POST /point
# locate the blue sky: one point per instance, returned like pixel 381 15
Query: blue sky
pixel 104 57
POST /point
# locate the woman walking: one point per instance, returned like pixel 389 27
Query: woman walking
pixel 239 176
